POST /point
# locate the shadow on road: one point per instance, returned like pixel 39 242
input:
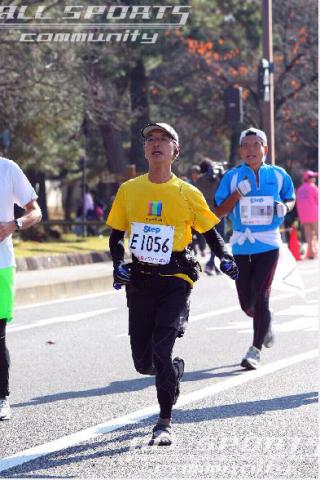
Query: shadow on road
pixel 133 438
pixel 123 386
pixel 126 440
pixel 243 409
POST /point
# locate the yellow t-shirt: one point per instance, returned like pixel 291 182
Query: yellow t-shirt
pixel 175 203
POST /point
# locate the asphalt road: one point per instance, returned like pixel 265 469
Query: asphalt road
pixel 81 411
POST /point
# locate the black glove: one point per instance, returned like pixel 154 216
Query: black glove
pixel 121 274
pixel 229 266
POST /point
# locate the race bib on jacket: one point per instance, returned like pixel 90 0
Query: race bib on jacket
pixel 151 243
pixel 256 210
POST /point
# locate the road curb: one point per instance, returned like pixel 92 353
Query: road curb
pixel 61 290
pixel 45 284
pixel 45 262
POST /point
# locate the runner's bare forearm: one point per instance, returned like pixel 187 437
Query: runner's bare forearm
pixel 32 216
pixel 290 204
pixel 227 205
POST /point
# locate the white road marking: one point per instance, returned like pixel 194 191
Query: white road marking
pixel 308 324
pixel 221 311
pixel 233 326
pixel 139 415
pixel 63 319
pixel 310 310
pixel 307 320
pixel 214 313
pixel 193 318
pixel 69 299
pixel 108 292
pixel 201 316
pixel 308 272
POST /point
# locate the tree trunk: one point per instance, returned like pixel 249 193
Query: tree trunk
pixel 140 110
pixel 39 180
pixel 112 142
pixel 68 203
pixel 42 200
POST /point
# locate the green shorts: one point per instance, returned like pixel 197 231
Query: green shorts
pixel 7 293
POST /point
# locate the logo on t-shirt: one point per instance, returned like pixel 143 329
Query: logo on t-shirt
pixel 155 209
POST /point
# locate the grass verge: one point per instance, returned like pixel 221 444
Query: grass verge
pixel 70 243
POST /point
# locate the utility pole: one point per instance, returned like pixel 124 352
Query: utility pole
pixel 234 118
pixel 268 97
pixel 83 188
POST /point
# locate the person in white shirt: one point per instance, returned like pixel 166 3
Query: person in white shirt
pixel 15 188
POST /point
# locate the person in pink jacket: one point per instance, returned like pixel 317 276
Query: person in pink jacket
pixel 307 206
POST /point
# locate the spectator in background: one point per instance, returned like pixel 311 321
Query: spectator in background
pixel 195 173
pixel 307 206
pixel 88 204
pixel 98 207
pixel 208 183
pixel 89 210
pixel 78 229
pixel 98 211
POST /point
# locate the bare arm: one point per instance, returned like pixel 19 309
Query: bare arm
pixel 227 205
pixel 290 204
pixel 32 216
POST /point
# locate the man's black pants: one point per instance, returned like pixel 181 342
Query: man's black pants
pixel 158 312
pixel 4 361
pixel 256 274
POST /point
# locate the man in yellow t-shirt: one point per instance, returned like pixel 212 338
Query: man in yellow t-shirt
pixel 158 211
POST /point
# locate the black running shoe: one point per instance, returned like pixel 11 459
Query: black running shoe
pixel 161 435
pixel 179 365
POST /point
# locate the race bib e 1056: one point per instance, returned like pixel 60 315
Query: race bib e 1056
pixel 151 243
pixel 256 210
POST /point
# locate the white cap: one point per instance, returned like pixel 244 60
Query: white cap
pixel 162 126
pixel 254 131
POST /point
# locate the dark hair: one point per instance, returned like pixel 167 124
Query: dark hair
pixel 251 133
pixel 206 166
pixel 213 170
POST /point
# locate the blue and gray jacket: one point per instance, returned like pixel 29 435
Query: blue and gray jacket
pixel 254 218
